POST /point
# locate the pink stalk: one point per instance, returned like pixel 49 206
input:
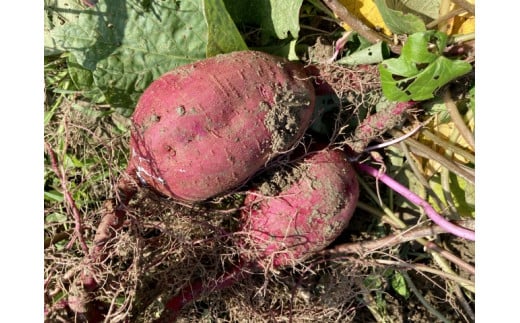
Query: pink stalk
pixel 412 197
pixel 195 290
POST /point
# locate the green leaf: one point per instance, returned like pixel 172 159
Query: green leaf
pixel 421 69
pixel 127 46
pixel 398 283
pixel 462 194
pixel 424 47
pixel 57 13
pixel 397 21
pixel 54 196
pixel 223 36
pixel 276 18
pixel 371 55
pixel 424 84
pixel 286 17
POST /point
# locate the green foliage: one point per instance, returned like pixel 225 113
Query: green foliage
pixel 407 16
pixel 57 13
pixel 398 283
pixel 399 22
pixel 277 19
pixel 223 37
pixel 119 47
pixel 461 192
pixel 421 69
pixel 368 55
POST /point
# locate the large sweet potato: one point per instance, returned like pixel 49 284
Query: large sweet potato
pixel 307 213
pixel 207 127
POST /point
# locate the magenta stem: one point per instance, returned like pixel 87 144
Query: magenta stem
pixel 412 197
pixel 194 290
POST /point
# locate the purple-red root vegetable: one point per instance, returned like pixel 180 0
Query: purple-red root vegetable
pixel 206 128
pixel 305 216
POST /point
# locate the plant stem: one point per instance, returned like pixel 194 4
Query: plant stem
pixel 440 260
pixel 421 267
pixel 461 38
pixel 78 226
pixel 445 17
pixel 427 152
pixel 444 8
pixel 464 131
pixel 464 265
pixel 371 35
pixel 466 5
pixel 412 197
pixel 363 247
pixel 421 299
pixel 448 145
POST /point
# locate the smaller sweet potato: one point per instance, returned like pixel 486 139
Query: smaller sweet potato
pixel 304 216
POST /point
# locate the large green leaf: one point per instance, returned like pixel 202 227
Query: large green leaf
pixel 399 18
pixel 127 45
pixel 223 36
pixel 57 13
pixel 276 18
pixel 421 69
pixel 286 17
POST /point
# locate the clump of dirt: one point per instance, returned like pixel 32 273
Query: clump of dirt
pixel 277 179
pixel 283 117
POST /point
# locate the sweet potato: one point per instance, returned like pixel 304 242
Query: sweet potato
pixel 306 215
pixel 207 127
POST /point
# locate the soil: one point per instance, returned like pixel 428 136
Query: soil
pixel 283 117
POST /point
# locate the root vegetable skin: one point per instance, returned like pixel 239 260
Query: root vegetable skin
pixel 305 217
pixel 207 127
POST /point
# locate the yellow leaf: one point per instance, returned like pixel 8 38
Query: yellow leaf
pixel 367 12
pixel 444 130
pixel 462 24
